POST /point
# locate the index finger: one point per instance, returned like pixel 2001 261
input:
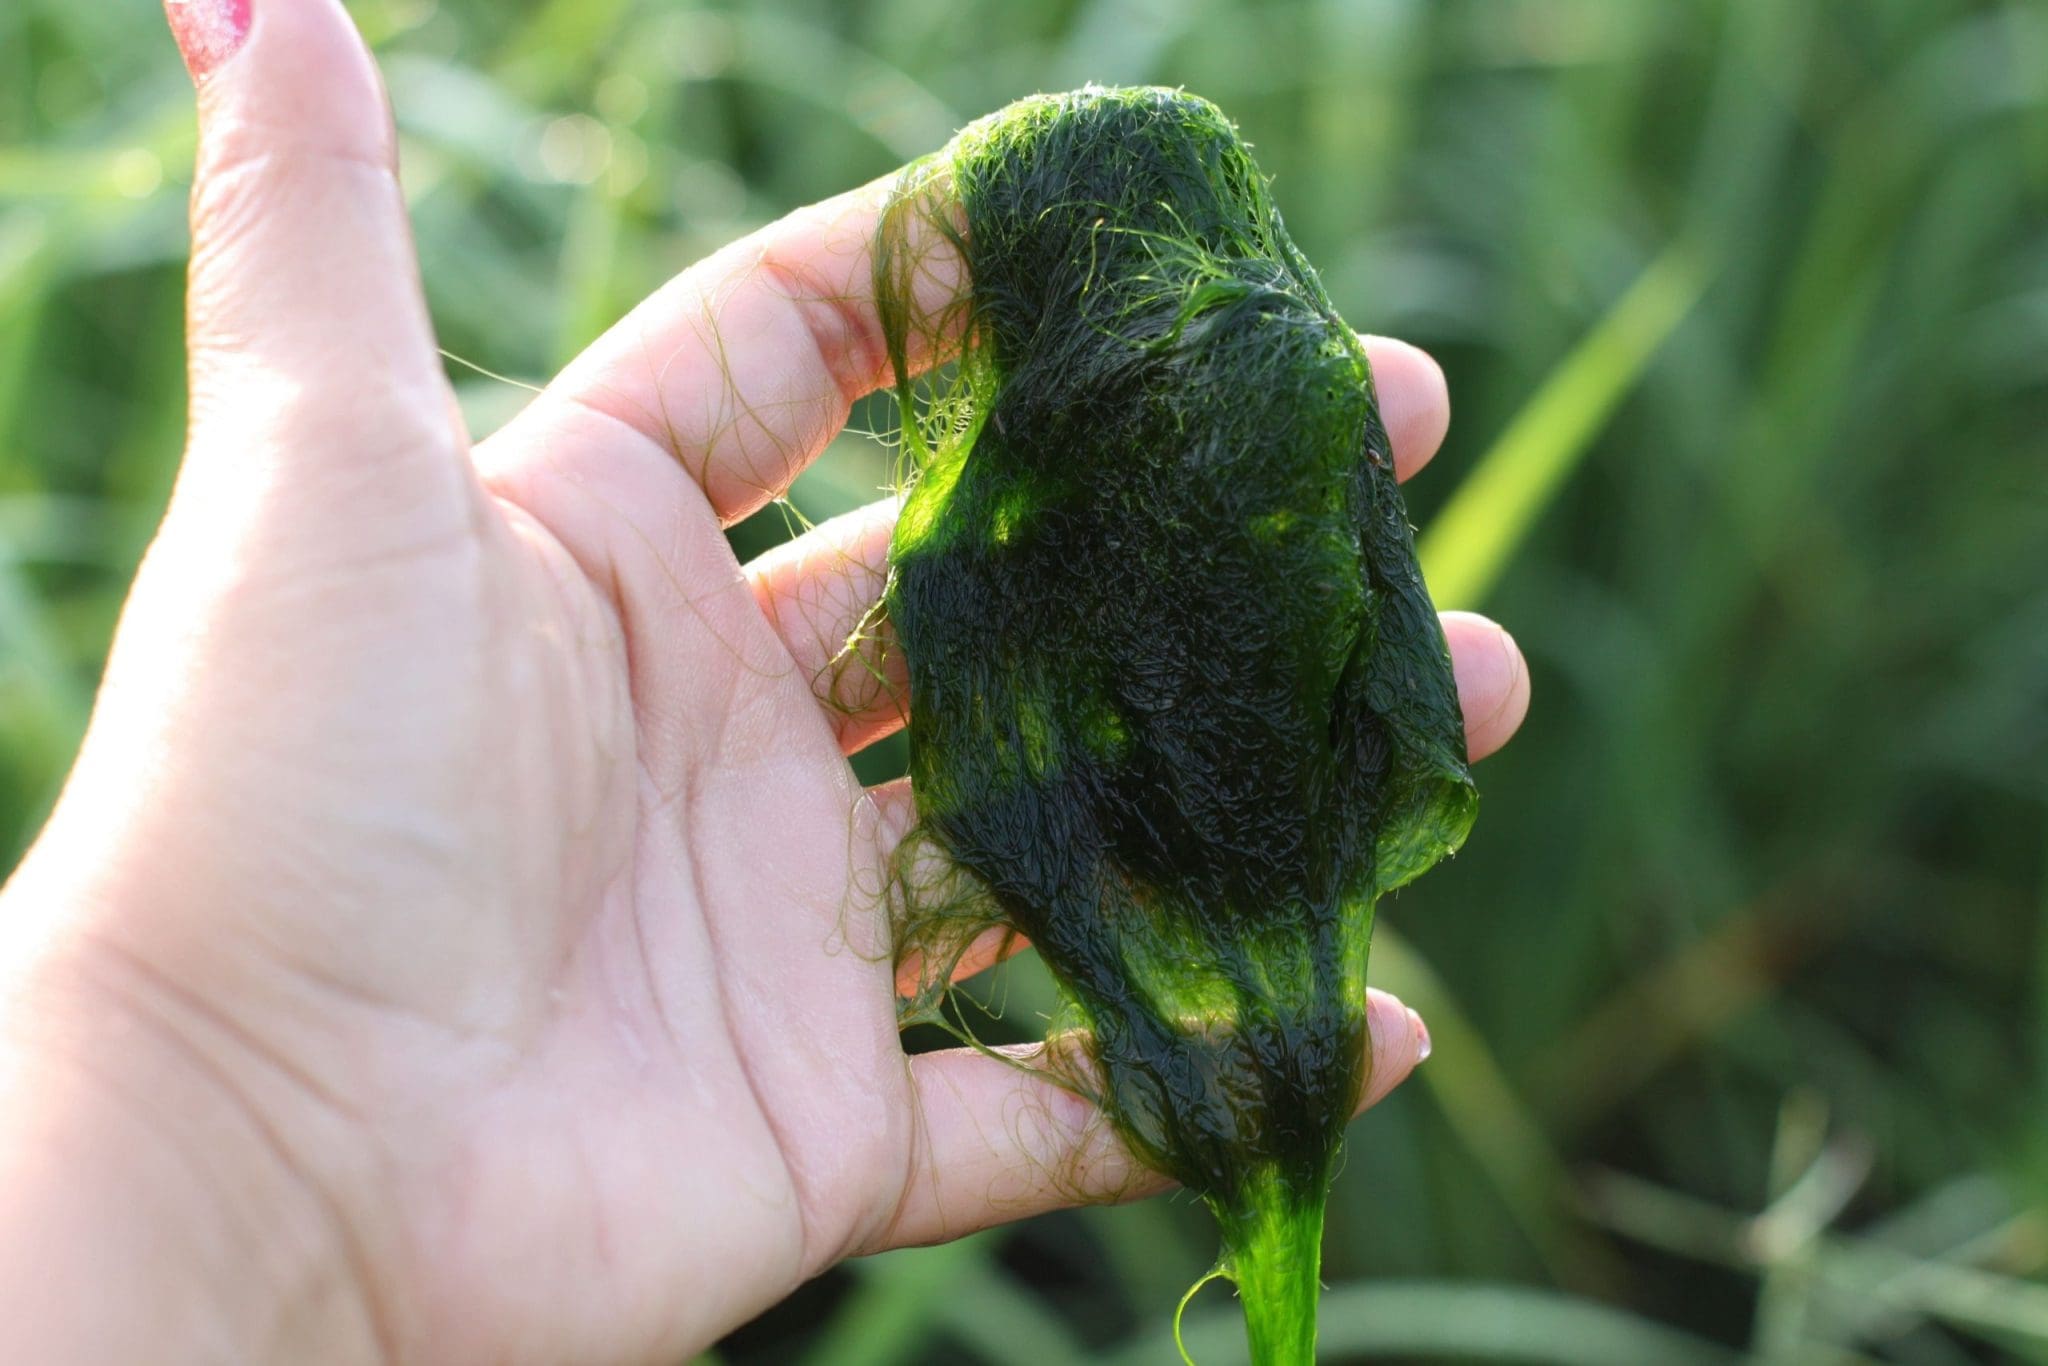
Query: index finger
pixel 743 368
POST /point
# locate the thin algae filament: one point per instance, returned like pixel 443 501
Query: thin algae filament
pixel 1182 710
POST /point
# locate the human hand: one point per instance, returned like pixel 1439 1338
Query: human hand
pixel 458 940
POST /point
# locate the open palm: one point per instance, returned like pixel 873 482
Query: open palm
pixel 474 837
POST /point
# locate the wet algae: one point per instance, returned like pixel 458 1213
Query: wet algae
pixel 1181 707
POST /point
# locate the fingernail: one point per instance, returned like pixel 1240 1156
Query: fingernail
pixel 208 31
pixel 1421 1036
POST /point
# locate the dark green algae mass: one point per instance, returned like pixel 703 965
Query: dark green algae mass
pixel 1182 708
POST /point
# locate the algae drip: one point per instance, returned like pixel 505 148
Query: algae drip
pixel 1181 709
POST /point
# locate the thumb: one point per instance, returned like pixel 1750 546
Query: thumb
pixel 314 373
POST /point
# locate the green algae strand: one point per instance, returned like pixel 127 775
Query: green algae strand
pixel 1181 709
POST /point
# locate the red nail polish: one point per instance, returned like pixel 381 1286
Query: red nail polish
pixel 208 31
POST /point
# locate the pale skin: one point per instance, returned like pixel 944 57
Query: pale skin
pixel 452 943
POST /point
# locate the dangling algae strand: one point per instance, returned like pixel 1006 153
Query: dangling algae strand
pixel 1181 709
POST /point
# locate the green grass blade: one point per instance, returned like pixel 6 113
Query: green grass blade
pixel 1500 1132
pixel 1485 522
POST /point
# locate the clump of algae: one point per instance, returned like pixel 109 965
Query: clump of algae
pixel 1181 708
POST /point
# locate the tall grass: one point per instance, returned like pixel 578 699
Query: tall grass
pixel 1741 990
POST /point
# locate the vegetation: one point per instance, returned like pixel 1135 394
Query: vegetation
pixel 1183 708
pixel 1741 1002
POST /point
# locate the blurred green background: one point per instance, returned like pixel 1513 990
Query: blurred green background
pixel 1740 993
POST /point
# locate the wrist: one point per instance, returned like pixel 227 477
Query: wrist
pixel 151 1213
